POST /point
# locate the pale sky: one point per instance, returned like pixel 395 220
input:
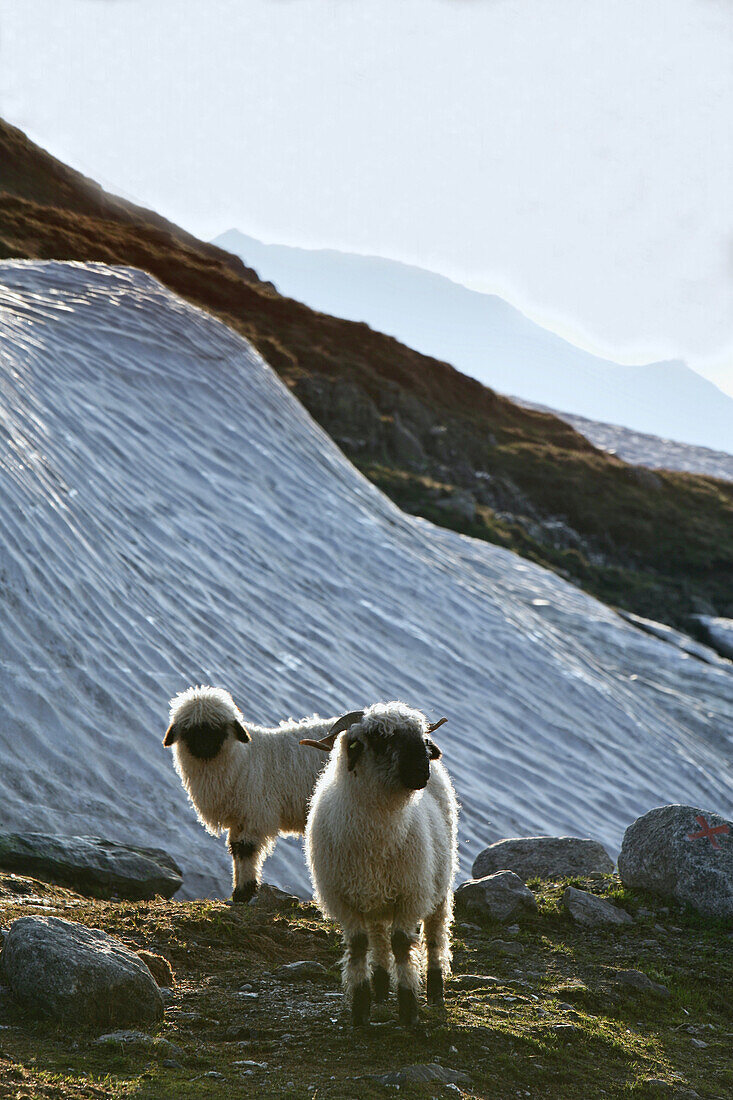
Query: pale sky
pixel 574 156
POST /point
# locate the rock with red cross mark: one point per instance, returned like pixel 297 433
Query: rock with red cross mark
pixel 681 853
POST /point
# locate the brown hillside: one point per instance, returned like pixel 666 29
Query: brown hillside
pixel 441 444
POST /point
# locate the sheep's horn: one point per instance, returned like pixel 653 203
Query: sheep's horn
pixel 436 725
pixel 326 743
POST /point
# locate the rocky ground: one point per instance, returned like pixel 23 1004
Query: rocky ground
pixel 543 1008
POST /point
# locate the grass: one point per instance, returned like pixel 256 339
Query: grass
pixel 503 1036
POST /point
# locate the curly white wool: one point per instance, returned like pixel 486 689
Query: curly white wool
pixel 254 791
pixel 383 857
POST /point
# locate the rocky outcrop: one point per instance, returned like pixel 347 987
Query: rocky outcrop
pixel 543 857
pixel 684 854
pixel 91 865
pixel 77 974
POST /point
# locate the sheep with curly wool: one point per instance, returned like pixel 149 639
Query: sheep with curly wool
pixel 252 781
pixel 381 847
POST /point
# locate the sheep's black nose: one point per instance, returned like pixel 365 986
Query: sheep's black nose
pixel 414 767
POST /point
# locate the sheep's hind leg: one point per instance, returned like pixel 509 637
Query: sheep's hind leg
pixel 380 957
pixel 247 854
pixel 356 975
pixel 437 938
pixel 405 946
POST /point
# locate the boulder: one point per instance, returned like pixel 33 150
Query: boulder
pixel 501 896
pixel 91 865
pixel 639 982
pixel 423 1073
pixel 543 857
pixel 78 974
pixel 592 912
pixel 684 854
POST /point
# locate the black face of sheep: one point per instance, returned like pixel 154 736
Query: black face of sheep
pixel 405 753
pixel 401 754
pixel 204 740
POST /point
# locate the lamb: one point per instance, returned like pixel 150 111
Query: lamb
pixel 251 781
pixel 381 847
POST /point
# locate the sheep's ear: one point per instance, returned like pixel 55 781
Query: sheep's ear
pixel 241 733
pixel 171 735
pixel 354 750
pixel 433 751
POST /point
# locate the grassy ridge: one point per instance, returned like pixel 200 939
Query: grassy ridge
pixel 554 1023
pixel 660 544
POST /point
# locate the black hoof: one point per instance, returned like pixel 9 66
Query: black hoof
pixel 244 892
pixel 361 1004
pixel 380 984
pixel 435 986
pixel 406 1006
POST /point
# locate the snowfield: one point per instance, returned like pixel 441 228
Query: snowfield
pixel 169 514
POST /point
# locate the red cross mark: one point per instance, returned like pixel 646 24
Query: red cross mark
pixel 708 831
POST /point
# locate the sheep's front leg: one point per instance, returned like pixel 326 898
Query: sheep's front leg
pixel 437 937
pixel 404 946
pixel 247 856
pixel 380 957
pixel 356 975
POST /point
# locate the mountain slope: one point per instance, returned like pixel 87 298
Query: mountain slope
pixel 169 514
pixel 487 338
pixel 439 443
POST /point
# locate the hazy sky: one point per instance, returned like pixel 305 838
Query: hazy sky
pixel 574 156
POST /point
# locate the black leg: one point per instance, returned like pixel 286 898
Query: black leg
pixel 361 1004
pixel 435 986
pixel 406 1006
pixel 244 892
pixel 380 984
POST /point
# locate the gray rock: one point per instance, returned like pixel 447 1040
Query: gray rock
pixel 405 446
pixel 91 865
pixel 79 974
pixel 543 857
pixel 139 1042
pixel 429 1071
pixel 672 852
pixel 641 983
pixel 272 899
pixel 592 912
pixel 461 503
pixel 305 970
pixel 504 947
pixel 474 981
pixel 502 896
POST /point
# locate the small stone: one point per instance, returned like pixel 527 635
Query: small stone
pixel 473 981
pixel 171 1063
pixel 513 930
pixel 635 979
pixel 430 1071
pixel 592 912
pixel 504 947
pixel 565 1031
pixel 304 970
pixel 271 898
pixel 699 1043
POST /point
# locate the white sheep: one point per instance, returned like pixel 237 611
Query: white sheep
pixel 252 781
pixel 381 846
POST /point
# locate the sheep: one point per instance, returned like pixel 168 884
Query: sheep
pixel 251 781
pixel 380 843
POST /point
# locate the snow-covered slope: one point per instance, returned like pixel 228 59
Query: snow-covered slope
pixel 641 449
pixel 484 336
pixel 170 514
